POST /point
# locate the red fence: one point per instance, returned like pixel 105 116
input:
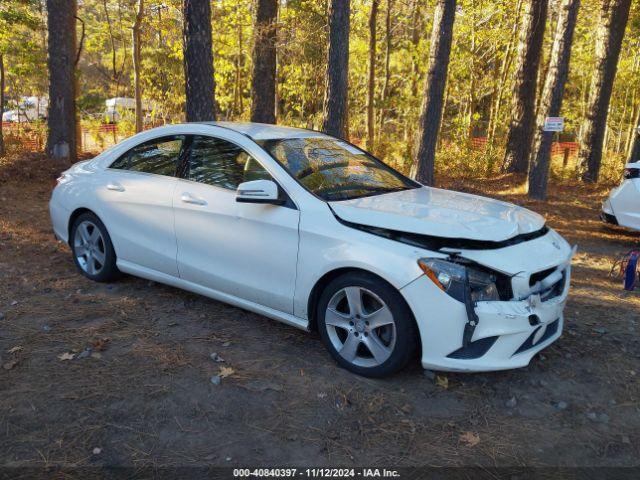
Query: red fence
pixel 25 134
pixel 98 137
pixel 95 137
pixel 570 149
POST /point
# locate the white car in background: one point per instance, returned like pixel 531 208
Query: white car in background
pixel 622 207
pixel 28 110
pixel 118 107
pixel 313 231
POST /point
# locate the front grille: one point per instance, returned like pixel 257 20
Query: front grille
pixel 552 329
pixel 536 277
pixel 555 290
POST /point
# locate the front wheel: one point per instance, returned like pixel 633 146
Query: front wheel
pixel 366 325
pixel 92 249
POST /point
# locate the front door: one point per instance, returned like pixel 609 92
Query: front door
pixel 246 250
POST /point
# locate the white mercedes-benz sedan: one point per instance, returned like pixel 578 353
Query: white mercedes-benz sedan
pixel 313 231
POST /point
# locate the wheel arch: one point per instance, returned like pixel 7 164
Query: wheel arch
pixel 74 215
pixel 327 278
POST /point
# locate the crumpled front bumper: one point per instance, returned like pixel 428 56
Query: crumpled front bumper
pixel 508 333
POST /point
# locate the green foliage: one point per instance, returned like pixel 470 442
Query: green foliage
pixel 478 94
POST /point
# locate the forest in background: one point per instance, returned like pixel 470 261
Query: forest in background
pixel 389 43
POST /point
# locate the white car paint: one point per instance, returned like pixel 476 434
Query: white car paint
pixel 441 213
pixel 622 207
pixel 268 258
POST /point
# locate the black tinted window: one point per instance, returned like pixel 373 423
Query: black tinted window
pixel 159 156
pixel 217 162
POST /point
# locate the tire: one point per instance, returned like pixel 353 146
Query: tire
pixel 92 249
pixel 385 340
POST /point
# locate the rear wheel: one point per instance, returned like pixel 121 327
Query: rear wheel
pixel 366 325
pixel 92 249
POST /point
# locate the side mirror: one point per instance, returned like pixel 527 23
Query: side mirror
pixel 259 191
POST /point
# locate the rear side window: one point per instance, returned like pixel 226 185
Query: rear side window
pixel 221 163
pixel 159 156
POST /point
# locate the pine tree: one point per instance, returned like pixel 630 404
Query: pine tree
pixel 337 73
pixel 263 84
pixel 371 82
pixel 198 61
pixel 613 21
pixel 61 23
pixel 137 60
pixel 552 93
pixel 431 116
pixel 524 93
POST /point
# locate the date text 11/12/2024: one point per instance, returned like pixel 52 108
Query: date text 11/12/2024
pixel 316 473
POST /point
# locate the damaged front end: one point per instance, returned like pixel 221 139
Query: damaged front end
pixel 504 300
pixel 525 305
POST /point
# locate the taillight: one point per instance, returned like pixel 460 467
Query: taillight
pixel 631 173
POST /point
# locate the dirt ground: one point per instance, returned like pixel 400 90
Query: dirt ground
pixel 142 395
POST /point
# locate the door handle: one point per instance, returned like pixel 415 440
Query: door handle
pixel 115 187
pixel 188 198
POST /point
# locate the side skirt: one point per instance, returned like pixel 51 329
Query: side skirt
pixel 149 274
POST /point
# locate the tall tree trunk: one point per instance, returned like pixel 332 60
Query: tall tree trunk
pixel 387 71
pixel 504 71
pixel 238 103
pixel 613 21
pixel 634 152
pixel 415 40
pixel 263 84
pixel 631 129
pixel 2 149
pixel 137 25
pixel 524 94
pixel 431 115
pixel 61 21
pixel 552 94
pixel 115 74
pixel 335 108
pixel 198 61
pixel 371 84
pixel 76 87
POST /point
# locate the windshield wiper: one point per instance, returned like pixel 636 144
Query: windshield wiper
pixel 371 191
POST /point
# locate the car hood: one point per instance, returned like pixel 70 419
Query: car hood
pixel 440 213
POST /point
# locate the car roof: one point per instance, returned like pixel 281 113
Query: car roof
pixel 265 131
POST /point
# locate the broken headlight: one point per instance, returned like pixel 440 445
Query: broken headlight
pixel 459 280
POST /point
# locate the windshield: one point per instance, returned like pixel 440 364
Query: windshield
pixel 333 169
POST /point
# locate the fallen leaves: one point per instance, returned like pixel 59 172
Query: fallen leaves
pixel 100 344
pixel 14 360
pixel 66 356
pixel 8 365
pixel 442 381
pixel 470 439
pixel 223 373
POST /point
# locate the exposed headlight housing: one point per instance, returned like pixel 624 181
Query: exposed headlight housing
pixel 459 280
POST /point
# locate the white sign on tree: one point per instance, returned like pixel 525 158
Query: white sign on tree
pixel 553 124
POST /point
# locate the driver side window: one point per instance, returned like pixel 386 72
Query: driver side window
pixel 220 163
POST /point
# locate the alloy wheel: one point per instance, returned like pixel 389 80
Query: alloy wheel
pixel 360 326
pixel 89 248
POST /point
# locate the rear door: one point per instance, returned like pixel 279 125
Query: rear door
pixel 137 196
pixel 242 249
